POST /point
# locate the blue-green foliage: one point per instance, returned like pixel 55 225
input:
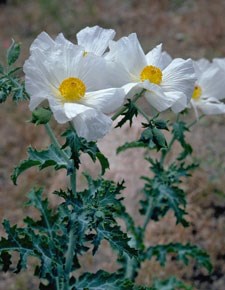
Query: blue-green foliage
pixel 10 83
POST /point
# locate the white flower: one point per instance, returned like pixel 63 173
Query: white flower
pixel 209 88
pixel 168 83
pixel 75 86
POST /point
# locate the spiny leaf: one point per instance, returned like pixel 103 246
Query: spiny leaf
pixel 103 280
pixel 171 283
pixel 129 145
pixel 162 194
pixel 41 159
pixel 183 253
pixel 128 114
pixel 78 144
pixel 117 239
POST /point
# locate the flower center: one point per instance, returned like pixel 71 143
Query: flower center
pixel 72 89
pixel 151 73
pixel 197 93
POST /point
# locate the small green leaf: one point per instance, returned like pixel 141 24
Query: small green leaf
pixel 13 53
pixel 41 116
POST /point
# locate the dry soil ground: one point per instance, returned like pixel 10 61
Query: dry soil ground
pixel 187 29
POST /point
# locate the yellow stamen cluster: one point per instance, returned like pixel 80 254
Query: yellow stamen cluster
pixel 197 93
pixel 72 90
pixel 151 73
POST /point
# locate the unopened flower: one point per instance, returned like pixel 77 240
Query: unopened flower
pixel 209 89
pixel 75 86
pixel 168 83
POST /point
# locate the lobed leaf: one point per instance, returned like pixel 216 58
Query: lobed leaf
pixel 41 159
pixel 182 252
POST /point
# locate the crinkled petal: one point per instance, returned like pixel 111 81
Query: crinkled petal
pixel 166 59
pixel 219 62
pixel 43 42
pixel 95 39
pixel 181 102
pixel 92 124
pixel 179 76
pixel 106 101
pixel 128 52
pixel 58 111
pixel 60 39
pixel 210 108
pixel 201 65
pixel 212 83
pixel 155 57
pixel 157 98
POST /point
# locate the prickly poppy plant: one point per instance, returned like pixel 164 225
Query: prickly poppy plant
pixel 85 87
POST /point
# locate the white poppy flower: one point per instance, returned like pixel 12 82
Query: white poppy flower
pixel 168 83
pixel 76 87
pixel 209 89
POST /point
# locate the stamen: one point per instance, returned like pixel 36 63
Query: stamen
pixel 151 73
pixel 72 89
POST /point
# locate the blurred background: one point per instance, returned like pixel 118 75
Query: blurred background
pixel 191 28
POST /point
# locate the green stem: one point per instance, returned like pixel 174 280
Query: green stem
pixel 195 121
pixel 148 215
pixel 56 143
pixel 123 108
pixel 73 182
pixel 130 269
pixel 72 240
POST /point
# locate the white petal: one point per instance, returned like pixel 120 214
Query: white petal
pixel 181 102
pixel 34 102
pixel 210 108
pixel 92 125
pixel 95 39
pixel 159 99
pixel 42 42
pixel 74 109
pixel 179 76
pixel 201 65
pixel 212 83
pixel 219 62
pixel 106 101
pixel 116 74
pixel 166 59
pixel 155 57
pixel 60 39
pixel 128 52
pixel 58 111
